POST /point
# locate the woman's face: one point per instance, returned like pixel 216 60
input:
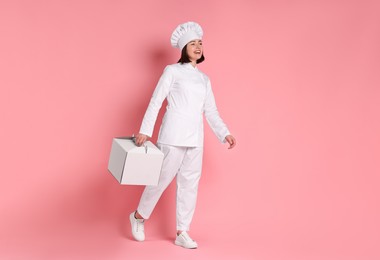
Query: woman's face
pixel 194 50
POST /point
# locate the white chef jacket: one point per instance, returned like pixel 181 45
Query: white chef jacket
pixel 189 95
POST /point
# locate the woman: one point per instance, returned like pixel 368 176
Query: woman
pixel 189 95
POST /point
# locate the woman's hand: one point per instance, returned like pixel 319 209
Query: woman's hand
pixel 231 140
pixel 140 139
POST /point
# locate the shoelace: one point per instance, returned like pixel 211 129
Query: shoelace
pixel 186 236
pixel 139 226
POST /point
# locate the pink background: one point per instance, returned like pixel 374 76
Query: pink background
pixel 298 83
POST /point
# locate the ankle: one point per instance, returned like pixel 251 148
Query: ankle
pixel 137 215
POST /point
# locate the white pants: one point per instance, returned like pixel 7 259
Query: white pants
pixel 186 163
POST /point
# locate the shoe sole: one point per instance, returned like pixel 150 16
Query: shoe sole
pixel 180 244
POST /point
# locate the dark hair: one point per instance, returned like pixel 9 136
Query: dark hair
pixel 185 58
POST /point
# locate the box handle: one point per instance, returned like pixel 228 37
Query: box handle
pixel 133 138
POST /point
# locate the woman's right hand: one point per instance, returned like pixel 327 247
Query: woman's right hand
pixel 140 139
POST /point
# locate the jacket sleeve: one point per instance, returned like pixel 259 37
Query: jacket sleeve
pixel 212 115
pixel 160 93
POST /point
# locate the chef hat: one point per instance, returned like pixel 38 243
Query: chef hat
pixel 185 33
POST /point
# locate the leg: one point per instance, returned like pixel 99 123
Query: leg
pixel 173 157
pixel 187 186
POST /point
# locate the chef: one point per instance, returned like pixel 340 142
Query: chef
pixel 189 96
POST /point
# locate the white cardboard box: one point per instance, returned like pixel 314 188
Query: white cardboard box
pixel 134 165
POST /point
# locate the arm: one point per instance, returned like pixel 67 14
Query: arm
pixel 160 93
pixel 214 120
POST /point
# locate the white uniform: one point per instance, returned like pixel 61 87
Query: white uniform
pixel 189 95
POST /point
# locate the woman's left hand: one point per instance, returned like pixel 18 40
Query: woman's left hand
pixel 231 140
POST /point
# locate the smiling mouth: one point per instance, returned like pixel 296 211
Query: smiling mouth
pixel 197 52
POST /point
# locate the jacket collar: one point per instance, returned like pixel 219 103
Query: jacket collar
pixel 189 66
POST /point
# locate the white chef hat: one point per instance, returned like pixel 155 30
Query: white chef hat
pixel 185 33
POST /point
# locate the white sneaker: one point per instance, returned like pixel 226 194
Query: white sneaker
pixel 185 241
pixel 137 226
